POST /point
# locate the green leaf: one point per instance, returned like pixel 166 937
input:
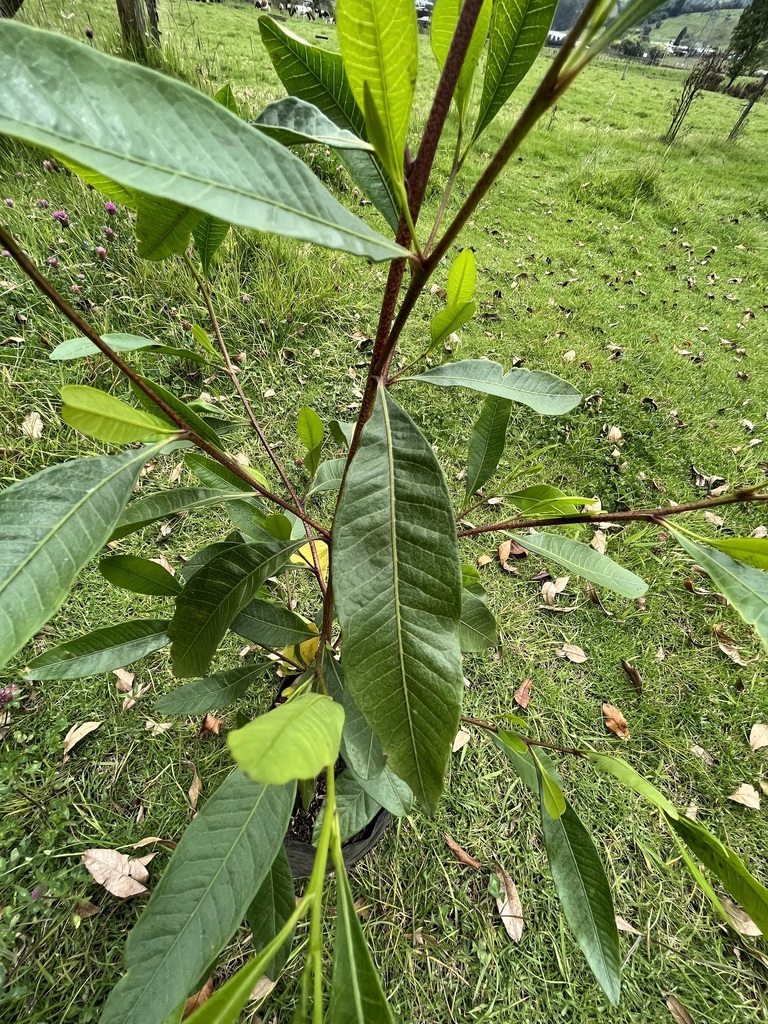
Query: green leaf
pixel 356 993
pixel 727 866
pixel 295 740
pixel 101 183
pixel 585 895
pixel 388 790
pixel 397 583
pixel 100 651
pixel 546 501
pixel 310 428
pixel 354 807
pixel 214 596
pixel 445 15
pixel 209 234
pixel 97 414
pixel 202 339
pixel 140 575
pixel 328 476
pixel 478 628
pixel 543 392
pixel 552 796
pixel 163 228
pixel 214 875
pixel 529 770
pixel 189 416
pixel 511 743
pixel 165 504
pixel 628 777
pixel 486 444
pixel 752 550
pixel 448 320
pixel 700 878
pixel 78 348
pixel 226 97
pixel 518 31
pixel 584 561
pixel 295 122
pixel 51 524
pixel 318 76
pixel 54 95
pixel 213 474
pixel 746 588
pixel 271 625
pixel 360 748
pixel 216 691
pixel 378 40
pixel 271 909
pixel 462 278
pixel 342 433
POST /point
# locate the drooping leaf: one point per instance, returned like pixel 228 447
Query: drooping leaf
pixel 212 878
pixel 212 474
pixel 271 625
pixel 543 392
pixel 295 740
pixel 101 650
pixel 54 95
pixel 552 797
pixel 214 692
pixel 209 234
pixel 247 515
pixel 318 76
pixel 448 320
pixel 486 443
pixel 445 15
pixel 189 416
pixel 328 476
pixel 379 46
pixel 357 996
pixel 271 909
pixel 359 746
pixel 628 777
pixel 295 122
pixel 163 228
pixel 214 596
pixel 78 348
pixel 478 629
pixel 727 866
pixel 397 583
pixel 585 895
pixel 165 504
pixel 583 561
pixel 354 807
pixel 97 414
pixel 462 278
pixel 546 501
pixel 101 183
pixel 699 877
pixel 310 428
pixel 388 790
pixel 51 524
pixel 745 587
pixel 518 32
pixel 752 550
pixel 140 575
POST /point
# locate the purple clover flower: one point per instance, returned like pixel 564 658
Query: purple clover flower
pixel 245 298
pixel 76 289
pixel 52 261
pixel 9 202
pixel 101 252
pixel 108 232
pixel 110 207
pixel 43 204
pixel 62 217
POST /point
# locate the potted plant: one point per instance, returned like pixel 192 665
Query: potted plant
pixel 375 655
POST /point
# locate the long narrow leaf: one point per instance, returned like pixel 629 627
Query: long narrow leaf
pixel 486 443
pixel 139 575
pixel 584 561
pixel 543 392
pixel 217 691
pixel 165 504
pixel 359 745
pixel 272 907
pixel 100 651
pixel 295 122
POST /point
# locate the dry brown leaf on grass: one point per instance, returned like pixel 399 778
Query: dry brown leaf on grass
pixel 758 736
pixel 483 560
pixel 125 679
pixel 733 653
pixel 625 926
pixel 120 874
pixel 634 675
pixel 615 721
pixel 460 854
pixel 700 752
pixel 32 427
pixel 510 907
pixel 197 786
pixel 198 999
pixel 522 696
pixel 679 1013
pixel 210 726
pixel 157 728
pixel 747 796
pixel 163 561
pixel 461 740
pixel 262 988
pixel 599 541
pixel 77 734
pixel 740 919
pixel 85 909
pixel 572 653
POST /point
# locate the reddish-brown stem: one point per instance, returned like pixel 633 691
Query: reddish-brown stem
pixel 649 514
pixel 205 291
pixel 45 286
pixel 489 727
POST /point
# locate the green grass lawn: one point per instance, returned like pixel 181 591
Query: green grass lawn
pixel 638 273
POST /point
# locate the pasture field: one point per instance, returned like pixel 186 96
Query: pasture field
pixel 640 274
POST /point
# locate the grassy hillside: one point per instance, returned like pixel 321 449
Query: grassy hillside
pixel 705 30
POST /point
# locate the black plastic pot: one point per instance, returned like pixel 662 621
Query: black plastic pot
pixel 301 856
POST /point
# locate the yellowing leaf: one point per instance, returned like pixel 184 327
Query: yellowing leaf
pixel 303 557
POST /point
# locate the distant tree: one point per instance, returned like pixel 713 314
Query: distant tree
pixel 706 75
pixel 566 14
pixel 752 98
pixel 681 35
pixel 749 43
pixel 9 7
